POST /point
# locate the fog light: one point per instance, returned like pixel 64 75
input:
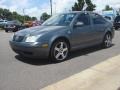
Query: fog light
pixel 45 45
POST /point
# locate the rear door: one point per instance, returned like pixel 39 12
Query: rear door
pixel 99 25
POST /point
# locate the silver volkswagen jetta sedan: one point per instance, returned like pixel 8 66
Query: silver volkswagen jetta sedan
pixel 63 33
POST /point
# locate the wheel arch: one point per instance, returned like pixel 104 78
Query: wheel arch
pixel 60 38
pixel 109 32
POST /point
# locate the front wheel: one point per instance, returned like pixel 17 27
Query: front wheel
pixel 59 51
pixel 6 31
pixel 107 42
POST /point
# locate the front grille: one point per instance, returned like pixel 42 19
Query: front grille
pixel 18 38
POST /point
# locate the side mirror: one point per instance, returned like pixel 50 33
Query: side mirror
pixel 79 24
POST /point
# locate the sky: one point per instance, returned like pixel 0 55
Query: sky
pixel 37 7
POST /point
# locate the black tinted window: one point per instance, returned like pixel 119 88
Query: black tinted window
pixel 1 21
pixel 97 19
pixel 84 18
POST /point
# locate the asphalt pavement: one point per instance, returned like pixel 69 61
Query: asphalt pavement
pixel 17 73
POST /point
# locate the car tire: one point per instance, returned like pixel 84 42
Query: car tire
pixel 116 28
pixel 6 31
pixel 59 51
pixel 107 42
pixel 15 30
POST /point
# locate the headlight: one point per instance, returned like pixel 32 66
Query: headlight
pixel 32 38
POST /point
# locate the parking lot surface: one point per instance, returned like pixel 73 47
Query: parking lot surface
pixel 17 73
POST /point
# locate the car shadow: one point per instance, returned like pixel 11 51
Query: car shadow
pixel 73 54
pixel 85 51
pixel 36 62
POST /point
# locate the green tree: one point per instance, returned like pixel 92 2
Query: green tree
pixel 27 18
pixel 14 15
pixel 91 7
pixel 78 6
pixel 6 14
pixel 34 18
pixel 44 16
pixel 107 8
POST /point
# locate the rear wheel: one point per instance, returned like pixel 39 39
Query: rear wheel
pixel 107 42
pixel 116 28
pixel 59 51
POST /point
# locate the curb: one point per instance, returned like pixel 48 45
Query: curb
pixel 88 78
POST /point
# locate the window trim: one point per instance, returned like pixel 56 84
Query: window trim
pixel 89 18
pixel 99 16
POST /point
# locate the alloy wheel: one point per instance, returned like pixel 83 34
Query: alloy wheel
pixel 108 40
pixel 61 51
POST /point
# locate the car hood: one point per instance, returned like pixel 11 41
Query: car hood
pixel 40 30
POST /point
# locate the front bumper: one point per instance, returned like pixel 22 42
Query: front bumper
pixel 29 50
pixel 10 29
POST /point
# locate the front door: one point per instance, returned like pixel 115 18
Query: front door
pixel 82 31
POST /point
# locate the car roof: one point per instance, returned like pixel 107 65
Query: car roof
pixel 77 12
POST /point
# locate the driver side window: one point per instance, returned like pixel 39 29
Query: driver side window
pixel 84 18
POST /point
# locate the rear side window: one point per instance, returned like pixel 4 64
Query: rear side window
pixel 97 19
pixel 84 18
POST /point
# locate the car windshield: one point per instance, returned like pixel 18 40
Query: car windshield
pixel 60 20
